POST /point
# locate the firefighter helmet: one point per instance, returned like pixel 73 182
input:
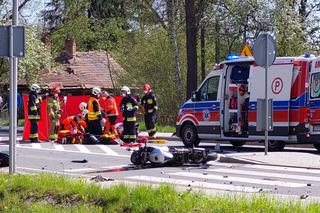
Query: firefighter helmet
pixel 125 90
pixel 82 106
pixel 146 88
pixel 55 90
pixel 96 91
pixel 35 88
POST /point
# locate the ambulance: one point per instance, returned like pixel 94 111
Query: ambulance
pixel 226 105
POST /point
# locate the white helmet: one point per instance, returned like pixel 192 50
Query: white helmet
pixel 35 88
pixel 125 90
pixel 84 112
pixel 96 91
pixel 82 106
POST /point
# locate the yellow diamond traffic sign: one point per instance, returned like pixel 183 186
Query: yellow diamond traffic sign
pixel 246 51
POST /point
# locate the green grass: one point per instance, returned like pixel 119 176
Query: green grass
pixel 6 122
pixel 160 128
pixel 47 193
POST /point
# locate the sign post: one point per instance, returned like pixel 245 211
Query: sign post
pixel 13 92
pixel 264 53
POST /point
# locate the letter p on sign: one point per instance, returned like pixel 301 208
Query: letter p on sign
pixel 277 85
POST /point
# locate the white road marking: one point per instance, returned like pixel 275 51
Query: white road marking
pixel 280 168
pixel 196 184
pixel 107 150
pixel 36 145
pixel 239 179
pixel 82 148
pixel 266 174
pixel 79 170
pixel 50 171
pixel 58 147
pixel 72 151
pixel 19 138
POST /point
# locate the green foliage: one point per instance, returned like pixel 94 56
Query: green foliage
pixel 289 30
pixel 48 193
pixel 37 57
pixel 148 58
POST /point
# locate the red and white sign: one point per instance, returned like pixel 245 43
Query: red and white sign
pixel 277 85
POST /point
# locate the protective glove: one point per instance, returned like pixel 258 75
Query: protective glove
pixel 52 117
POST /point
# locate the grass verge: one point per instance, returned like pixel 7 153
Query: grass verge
pixel 6 122
pixel 160 128
pixel 47 193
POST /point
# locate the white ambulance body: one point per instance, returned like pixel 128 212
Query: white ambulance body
pixel 225 105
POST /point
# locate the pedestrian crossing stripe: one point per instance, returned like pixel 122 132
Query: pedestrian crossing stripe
pixel 239 179
pixel 266 174
pixel 79 148
pixel 197 184
pixel 286 169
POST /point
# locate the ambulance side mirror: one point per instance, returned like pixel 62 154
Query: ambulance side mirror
pixel 194 96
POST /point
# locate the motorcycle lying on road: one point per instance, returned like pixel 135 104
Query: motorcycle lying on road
pixel 170 156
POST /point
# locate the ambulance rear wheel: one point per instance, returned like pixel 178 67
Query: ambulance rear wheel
pixel 237 143
pixel 317 146
pixel 189 136
pixel 276 145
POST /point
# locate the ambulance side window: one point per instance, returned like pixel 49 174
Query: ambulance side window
pixel 209 90
pixel 315 86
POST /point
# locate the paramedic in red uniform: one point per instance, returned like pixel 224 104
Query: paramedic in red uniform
pixel 110 107
pixel 128 106
pixel 149 103
pixel 94 113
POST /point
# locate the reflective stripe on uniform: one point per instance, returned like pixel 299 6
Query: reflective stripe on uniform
pixel 126 136
pixel 150 110
pixel 33 135
pixel 109 115
pixel 33 108
pixel 150 101
pixel 53 136
pixel 132 136
pixel 152 130
pixel 131 119
pixel 33 117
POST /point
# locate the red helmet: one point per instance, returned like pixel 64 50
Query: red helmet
pixel 147 87
pixel 55 90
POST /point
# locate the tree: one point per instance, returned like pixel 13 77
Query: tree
pixel 191 43
pixel 37 57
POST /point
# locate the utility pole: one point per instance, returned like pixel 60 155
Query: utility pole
pixel 13 93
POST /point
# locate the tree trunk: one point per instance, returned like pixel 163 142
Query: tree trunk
pixel 203 52
pixel 217 40
pixel 191 40
pixel 172 12
pixel 202 41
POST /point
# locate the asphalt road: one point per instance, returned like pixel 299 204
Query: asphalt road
pixel 113 162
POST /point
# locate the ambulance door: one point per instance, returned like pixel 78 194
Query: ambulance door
pixel 279 87
pixel 314 96
pixel 208 106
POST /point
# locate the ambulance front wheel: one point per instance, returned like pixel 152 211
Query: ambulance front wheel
pixel 276 145
pixel 189 136
pixel 317 146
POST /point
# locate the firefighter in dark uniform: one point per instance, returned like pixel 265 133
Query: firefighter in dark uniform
pixel 34 111
pixel 128 106
pixel 94 113
pixel 149 103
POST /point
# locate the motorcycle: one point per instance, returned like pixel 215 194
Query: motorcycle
pixel 169 156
